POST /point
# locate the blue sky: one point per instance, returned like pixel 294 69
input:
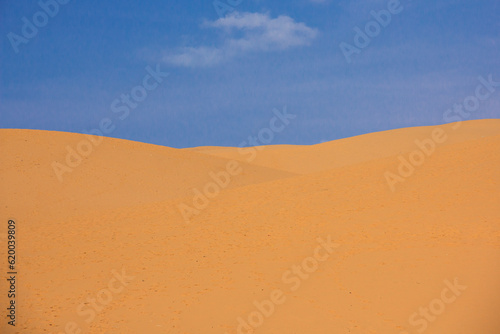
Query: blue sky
pixel 227 73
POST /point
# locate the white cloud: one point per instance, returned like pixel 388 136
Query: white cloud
pixel 256 33
pixel 192 57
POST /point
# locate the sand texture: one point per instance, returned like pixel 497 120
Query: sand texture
pixel 296 240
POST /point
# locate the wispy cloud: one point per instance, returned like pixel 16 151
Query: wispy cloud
pixel 256 32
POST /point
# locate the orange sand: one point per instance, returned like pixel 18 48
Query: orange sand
pixel 119 209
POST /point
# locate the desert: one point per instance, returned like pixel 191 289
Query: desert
pixel 287 246
pixel 250 167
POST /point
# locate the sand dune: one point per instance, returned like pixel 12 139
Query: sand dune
pixel 424 258
pixel 307 159
pixel 117 173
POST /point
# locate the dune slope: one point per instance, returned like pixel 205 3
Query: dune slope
pixel 116 173
pixel 308 159
pixel 284 248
